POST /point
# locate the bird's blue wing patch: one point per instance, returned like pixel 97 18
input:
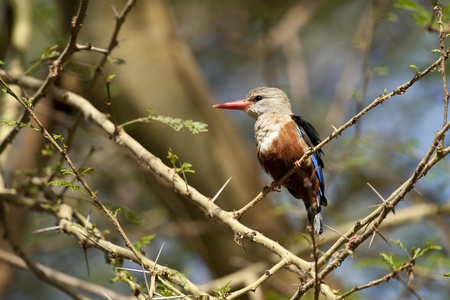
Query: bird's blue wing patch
pixel 318 168
pixel 319 174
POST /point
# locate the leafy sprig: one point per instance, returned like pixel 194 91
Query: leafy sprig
pixel 12 123
pixel 185 166
pixel 223 291
pixel 176 123
pixel 412 255
pixel 144 241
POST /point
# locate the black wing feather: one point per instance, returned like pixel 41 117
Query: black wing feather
pixel 311 133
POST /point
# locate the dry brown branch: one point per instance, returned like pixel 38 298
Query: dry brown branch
pixel 406 266
pixel 230 219
pixel 158 168
pixel 66 216
pixel 120 20
pixel 63 278
pixel 347 243
pixel 90 236
pixel 53 69
pixel 374 220
pixel 438 10
pixel 36 269
pixel 400 90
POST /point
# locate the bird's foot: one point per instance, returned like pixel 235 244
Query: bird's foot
pixel 297 164
pixel 275 187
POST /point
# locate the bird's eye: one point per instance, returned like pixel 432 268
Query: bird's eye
pixel 257 98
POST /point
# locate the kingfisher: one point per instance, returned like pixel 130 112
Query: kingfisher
pixel 282 138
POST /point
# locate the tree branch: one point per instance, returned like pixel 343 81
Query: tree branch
pixel 63 278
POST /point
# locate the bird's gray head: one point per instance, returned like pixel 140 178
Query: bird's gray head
pixel 260 101
pixel 267 100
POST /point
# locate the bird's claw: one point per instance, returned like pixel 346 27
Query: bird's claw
pixel 297 164
pixel 275 187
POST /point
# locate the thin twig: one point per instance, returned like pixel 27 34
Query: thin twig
pixel 54 68
pixel 32 266
pixel 157 167
pixel 409 287
pixel 62 277
pixel 120 20
pixel 385 278
pixel 89 47
pixel 267 274
pixel 438 11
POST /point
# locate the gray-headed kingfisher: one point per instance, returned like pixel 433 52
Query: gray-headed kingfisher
pixel 281 139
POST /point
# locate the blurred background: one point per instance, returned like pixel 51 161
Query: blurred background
pixel 178 58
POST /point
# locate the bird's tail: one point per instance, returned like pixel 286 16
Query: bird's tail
pixel 315 219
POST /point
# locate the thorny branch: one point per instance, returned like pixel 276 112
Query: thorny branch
pixel 158 168
pixel 36 269
pixel 394 274
pixel 63 278
pixel 350 239
pixel 438 10
pixel 53 69
pixel 400 90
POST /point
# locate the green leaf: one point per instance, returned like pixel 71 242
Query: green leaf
pixel 50 52
pixel 28 102
pixel 350 252
pixel 18 124
pixel 144 241
pixel 415 68
pixel 111 77
pixel 223 291
pixel 447 274
pixel 186 167
pixel 48 150
pixel 126 213
pixel 388 259
pixel 60 138
pixel 116 61
pixel 60 183
pixel 128 276
pixel 420 13
pixel 400 244
pixel 67 171
pixel 436 51
pixel 116 212
pixel 86 170
pixel 164 291
pixel 176 123
pixel 172 157
pixel 306 237
pixel 51 207
pixel 416 253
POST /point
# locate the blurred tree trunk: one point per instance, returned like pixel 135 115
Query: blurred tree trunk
pixel 161 74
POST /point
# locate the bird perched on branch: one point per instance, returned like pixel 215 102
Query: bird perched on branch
pixel 281 140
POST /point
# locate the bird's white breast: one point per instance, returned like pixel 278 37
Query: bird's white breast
pixel 267 128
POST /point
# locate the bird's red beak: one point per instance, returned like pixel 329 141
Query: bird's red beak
pixel 239 104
